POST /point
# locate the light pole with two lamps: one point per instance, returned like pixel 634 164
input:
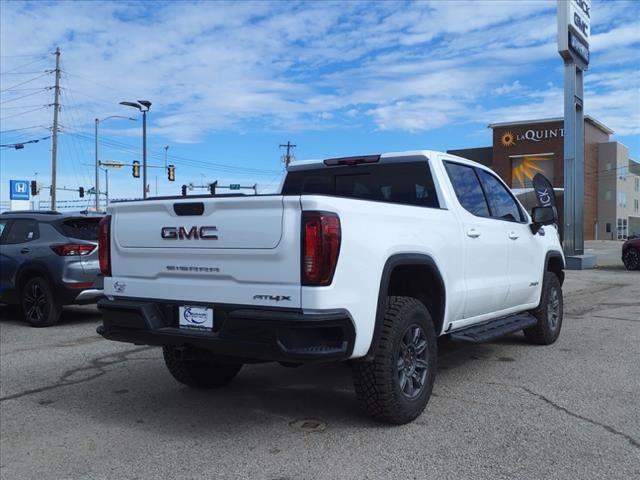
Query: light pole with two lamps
pixel 143 106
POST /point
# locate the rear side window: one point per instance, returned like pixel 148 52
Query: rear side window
pixel 404 183
pixel 22 231
pixel 467 187
pixel 81 228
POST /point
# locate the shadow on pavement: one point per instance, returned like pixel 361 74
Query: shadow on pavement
pixel 70 314
pixel 132 388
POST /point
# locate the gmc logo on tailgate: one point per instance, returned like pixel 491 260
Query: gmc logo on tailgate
pixel 194 233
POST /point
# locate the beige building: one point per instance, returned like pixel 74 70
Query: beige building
pixel 618 193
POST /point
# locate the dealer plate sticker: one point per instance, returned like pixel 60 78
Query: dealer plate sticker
pixel 196 318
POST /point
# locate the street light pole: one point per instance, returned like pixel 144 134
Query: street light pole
pixel 144 153
pixel 97 163
pixel 97 167
pixel 143 106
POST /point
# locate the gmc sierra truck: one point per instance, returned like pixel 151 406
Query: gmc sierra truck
pixel 362 259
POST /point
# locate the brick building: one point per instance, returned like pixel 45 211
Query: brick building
pixel 612 179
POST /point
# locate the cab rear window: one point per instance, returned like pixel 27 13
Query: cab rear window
pixel 81 228
pixel 404 183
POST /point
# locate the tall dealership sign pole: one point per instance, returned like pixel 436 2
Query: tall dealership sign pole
pixel 574 32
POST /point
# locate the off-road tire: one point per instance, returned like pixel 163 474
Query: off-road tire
pixel 631 258
pixel 378 382
pixel 203 370
pixel 547 330
pixel 39 306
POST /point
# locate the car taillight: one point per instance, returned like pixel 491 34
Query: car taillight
pixel 320 247
pixel 104 245
pixel 73 249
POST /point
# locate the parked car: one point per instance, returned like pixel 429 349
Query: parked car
pixel 47 260
pixel 631 254
pixel 366 259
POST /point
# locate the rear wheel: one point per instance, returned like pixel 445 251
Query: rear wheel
pixel 549 313
pixel 631 258
pixel 396 385
pixel 200 369
pixel 38 304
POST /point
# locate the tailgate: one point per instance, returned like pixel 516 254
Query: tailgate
pixel 231 250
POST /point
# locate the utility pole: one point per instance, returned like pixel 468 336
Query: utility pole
pixel 54 134
pixel 287 156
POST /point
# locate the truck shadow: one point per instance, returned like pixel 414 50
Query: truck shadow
pixel 133 389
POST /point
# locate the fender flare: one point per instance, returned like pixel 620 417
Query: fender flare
pixel 553 254
pixel 396 260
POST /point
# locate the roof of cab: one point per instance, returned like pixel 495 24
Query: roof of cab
pixel 390 157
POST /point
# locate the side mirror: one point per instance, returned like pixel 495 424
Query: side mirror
pixel 543 216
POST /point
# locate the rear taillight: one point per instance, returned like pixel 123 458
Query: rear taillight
pixel 104 245
pixel 320 247
pixel 73 249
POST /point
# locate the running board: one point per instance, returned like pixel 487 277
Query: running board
pixel 493 329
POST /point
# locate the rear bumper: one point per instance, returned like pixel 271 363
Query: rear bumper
pixel 249 333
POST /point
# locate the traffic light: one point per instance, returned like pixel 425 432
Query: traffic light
pixel 184 190
pixel 34 188
pixel 81 192
pixel 212 187
pixel 136 169
pixel 171 173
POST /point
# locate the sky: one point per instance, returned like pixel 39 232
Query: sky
pixel 230 82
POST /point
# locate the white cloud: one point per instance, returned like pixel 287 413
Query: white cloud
pixel 223 66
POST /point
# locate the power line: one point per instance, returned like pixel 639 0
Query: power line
pixel 177 158
pixel 24 128
pixel 25 82
pixel 24 113
pixel 21 73
pixel 40 90
pixel 38 60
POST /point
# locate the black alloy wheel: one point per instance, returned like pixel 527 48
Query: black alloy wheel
pixel 38 305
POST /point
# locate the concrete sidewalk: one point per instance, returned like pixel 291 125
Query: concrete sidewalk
pixel 609 252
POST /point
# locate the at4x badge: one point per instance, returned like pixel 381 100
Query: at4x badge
pixel 275 298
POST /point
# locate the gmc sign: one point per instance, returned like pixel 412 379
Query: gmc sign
pixel 194 233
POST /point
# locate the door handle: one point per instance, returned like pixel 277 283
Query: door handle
pixel 25 250
pixel 514 236
pixel 473 233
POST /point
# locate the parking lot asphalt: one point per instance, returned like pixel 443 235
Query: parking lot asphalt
pixel 73 405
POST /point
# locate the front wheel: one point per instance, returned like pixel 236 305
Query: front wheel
pixel 38 304
pixel 200 369
pixel 396 385
pixel 631 258
pixel 549 313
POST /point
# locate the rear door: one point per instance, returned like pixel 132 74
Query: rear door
pixel 16 247
pixel 485 244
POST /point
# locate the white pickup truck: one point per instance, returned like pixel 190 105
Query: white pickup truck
pixel 367 259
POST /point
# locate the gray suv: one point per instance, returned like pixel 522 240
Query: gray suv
pixel 47 260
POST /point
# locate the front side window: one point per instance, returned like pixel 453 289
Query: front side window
pixel 467 187
pixel 501 202
pixel 22 231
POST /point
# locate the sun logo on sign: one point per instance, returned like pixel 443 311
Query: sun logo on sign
pixel 508 139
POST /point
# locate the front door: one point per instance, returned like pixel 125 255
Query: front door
pixel 523 248
pixel 485 245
